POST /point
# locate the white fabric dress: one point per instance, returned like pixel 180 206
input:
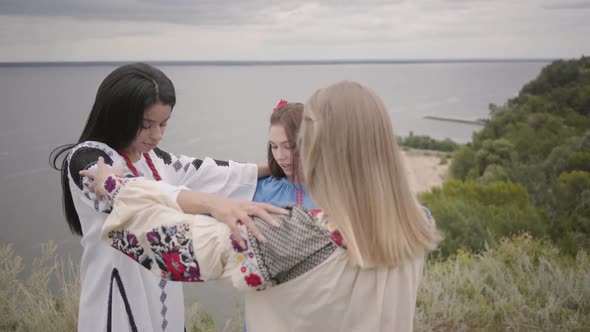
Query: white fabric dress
pixel 153 303
pixel 299 280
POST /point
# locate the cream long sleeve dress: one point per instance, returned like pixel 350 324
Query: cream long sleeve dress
pixel 299 280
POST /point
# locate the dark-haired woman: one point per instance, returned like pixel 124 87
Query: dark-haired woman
pixel 128 119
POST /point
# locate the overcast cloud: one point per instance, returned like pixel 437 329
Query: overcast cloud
pixel 72 30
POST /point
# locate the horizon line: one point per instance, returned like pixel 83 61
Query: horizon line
pixel 270 62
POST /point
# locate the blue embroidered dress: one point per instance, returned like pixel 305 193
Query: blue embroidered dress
pixel 280 192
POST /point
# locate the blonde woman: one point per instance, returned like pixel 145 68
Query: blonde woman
pixel 355 266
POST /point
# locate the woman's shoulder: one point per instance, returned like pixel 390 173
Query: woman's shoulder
pixel 272 190
pixel 163 155
pixel 93 147
pixel 178 161
pixel 85 154
pixel 272 182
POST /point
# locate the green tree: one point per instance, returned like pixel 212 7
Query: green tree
pixel 463 162
pixel 571 211
pixel 471 214
pixel 539 142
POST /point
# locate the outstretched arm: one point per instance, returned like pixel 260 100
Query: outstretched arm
pixel 228 211
pixel 149 227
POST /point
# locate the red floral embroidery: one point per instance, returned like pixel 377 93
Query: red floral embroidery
pixel 253 276
pixel 174 253
pixel 174 265
pixel 253 280
pixel 127 243
pixel 336 237
pixel 315 212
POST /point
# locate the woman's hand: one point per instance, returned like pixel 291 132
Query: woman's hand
pixel 231 212
pixel 100 175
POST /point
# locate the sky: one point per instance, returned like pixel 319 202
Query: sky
pixel 192 30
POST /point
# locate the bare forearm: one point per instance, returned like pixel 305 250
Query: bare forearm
pixel 263 170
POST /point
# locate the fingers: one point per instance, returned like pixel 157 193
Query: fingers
pixel 252 227
pixel 273 209
pixel 93 173
pixel 98 176
pixel 88 173
pixel 262 214
pixel 233 227
pixel 92 187
pixel 96 188
pixel 103 169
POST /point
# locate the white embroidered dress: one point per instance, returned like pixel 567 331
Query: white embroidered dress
pixel 154 303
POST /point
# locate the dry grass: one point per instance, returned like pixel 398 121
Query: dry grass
pixel 29 304
pixel 520 285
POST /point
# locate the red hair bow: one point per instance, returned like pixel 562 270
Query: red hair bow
pixel 280 104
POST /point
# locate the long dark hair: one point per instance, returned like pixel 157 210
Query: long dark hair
pixel 289 116
pixel 115 119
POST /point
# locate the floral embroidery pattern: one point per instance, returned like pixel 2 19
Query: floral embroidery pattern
pixel 336 237
pixel 315 212
pixel 112 187
pixel 236 246
pixel 248 264
pixel 253 280
pixel 110 184
pixel 330 228
pixel 174 253
pixel 127 243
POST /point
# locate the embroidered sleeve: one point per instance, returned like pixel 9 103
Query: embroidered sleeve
pixel 84 156
pixel 227 178
pixel 151 229
pixel 111 187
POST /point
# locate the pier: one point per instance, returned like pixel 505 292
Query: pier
pixel 477 122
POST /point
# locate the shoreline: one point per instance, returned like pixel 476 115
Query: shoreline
pixel 284 62
pixel 424 169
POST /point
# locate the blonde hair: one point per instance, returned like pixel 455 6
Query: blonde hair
pixel 353 170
